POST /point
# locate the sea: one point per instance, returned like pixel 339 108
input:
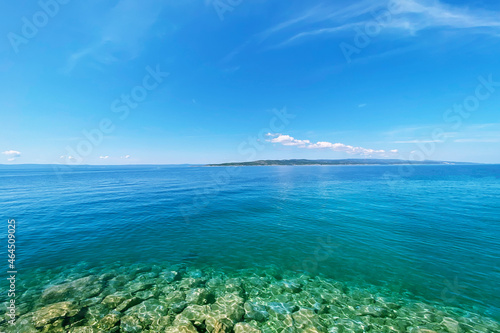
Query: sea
pixel 404 248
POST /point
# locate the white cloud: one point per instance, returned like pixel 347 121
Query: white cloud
pixel 104 157
pixel 287 140
pixel 126 156
pixel 12 154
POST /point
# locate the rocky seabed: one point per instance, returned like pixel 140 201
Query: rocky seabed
pixel 176 298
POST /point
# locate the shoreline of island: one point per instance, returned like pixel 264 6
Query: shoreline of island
pixel 341 162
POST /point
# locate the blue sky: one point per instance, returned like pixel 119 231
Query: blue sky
pixel 195 81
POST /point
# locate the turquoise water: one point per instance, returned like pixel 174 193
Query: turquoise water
pixel 428 241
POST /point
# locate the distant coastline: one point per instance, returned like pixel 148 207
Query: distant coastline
pixel 298 162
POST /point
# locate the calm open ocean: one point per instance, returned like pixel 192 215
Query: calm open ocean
pixel 430 236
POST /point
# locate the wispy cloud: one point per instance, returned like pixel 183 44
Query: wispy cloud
pixel 418 141
pixel 408 17
pixel 11 154
pixel 476 140
pixel 318 14
pixel 288 140
pixel 104 157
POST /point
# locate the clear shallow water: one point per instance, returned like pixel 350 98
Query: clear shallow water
pixel 432 234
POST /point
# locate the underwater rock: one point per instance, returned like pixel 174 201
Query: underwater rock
pixel 370 310
pixel 245 328
pixel 83 329
pixel 96 313
pixel 167 289
pixel 145 294
pixel 292 287
pixel 222 325
pixel 106 276
pixel 130 324
pixel 169 276
pixel 228 306
pixel 180 320
pixel 401 324
pixel 190 283
pixel 197 296
pixel 283 324
pixel 196 313
pixel 178 307
pixel 255 312
pixel 82 288
pixel 184 328
pixel 330 298
pixel 368 300
pixel 234 285
pixel 281 308
pixel 195 273
pixel 175 297
pixel 255 285
pixel 90 302
pixel 215 283
pixel 350 325
pixel 53 312
pixel 128 303
pixel 147 276
pixel 176 301
pixel 139 286
pixel 112 301
pixel 309 301
pixel 109 321
pixel 307 319
pixel 118 281
pixel 55 327
pixel 390 303
pixel 148 312
pixel 422 330
pixel 451 325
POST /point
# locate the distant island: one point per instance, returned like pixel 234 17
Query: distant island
pixel 336 162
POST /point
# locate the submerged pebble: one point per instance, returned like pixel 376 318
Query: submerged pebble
pixel 175 299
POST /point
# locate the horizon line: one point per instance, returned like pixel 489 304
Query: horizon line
pixel 291 159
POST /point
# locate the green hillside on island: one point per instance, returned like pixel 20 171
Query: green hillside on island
pixel 335 162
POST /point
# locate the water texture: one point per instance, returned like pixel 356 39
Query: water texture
pixel 249 249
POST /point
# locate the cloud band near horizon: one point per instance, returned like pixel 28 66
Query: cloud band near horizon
pixel 287 140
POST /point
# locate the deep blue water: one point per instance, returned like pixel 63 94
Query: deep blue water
pixel 434 232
